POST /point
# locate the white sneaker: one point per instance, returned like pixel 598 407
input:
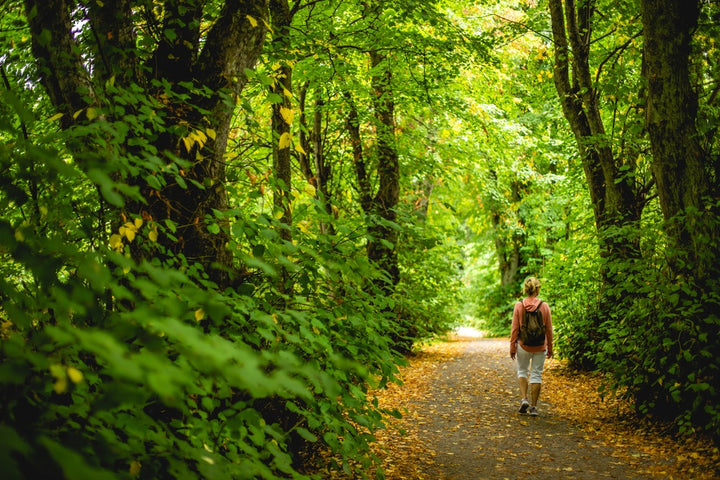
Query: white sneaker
pixel 524 405
pixel 533 412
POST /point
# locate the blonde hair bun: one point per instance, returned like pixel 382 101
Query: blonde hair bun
pixel 531 286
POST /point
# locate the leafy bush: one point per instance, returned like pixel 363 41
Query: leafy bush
pixel 496 310
pixel 112 367
pixel 663 352
pixel 655 337
pixel 429 287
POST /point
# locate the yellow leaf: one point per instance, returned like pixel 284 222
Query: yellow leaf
pixel 91 113
pixel 199 314
pixel 211 133
pixel 252 21
pixel 135 467
pixel 309 189
pixel 57 116
pixel 116 242
pixel 300 149
pixel 285 141
pixel 74 375
pixel 130 234
pixel 304 226
pixel 138 223
pixel 200 137
pixel 287 114
pixel 153 235
pixel 60 385
pixel 77 114
pixel 188 141
pixel 287 93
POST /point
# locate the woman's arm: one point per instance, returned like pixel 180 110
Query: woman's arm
pixel 515 329
pixel 548 329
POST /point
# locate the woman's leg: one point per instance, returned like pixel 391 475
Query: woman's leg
pixel 523 384
pixel 523 367
pixel 534 393
pixel 538 363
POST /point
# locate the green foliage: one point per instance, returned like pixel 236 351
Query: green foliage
pixel 113 367
pixel 121 358
pixel 660 347
pixel 427 295
pixel 571 282
pixel 663 355
pixel 655 340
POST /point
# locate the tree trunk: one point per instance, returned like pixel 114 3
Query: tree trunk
pixel 282 116
pixel 322 166
pixel 509 239
pixel 679 162
pixel 188 69
pixel 303 156
pixel 616 201
pixel 361 171
pixel 319 173
pixel 383 237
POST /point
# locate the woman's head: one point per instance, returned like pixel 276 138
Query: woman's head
pixel 531 286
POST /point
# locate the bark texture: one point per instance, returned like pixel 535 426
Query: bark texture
pixel 281 18
pixel 680 166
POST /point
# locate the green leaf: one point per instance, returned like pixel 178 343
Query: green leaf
pixel 107 187
pixel 306 434
pixel 73 465
pixel 11 442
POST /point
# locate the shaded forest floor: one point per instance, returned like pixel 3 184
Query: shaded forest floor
pixel 460 422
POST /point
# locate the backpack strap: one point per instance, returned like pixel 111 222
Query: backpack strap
pixel 541 315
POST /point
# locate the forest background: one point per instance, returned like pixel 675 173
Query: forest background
pixel 223 222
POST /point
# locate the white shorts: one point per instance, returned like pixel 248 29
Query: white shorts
pixel 532 362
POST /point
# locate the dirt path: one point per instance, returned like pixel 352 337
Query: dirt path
pixel 477 433
pixel 461 422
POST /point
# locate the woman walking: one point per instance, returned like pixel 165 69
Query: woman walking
pixel 530 350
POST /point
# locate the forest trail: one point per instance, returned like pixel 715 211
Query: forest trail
pixel 460 421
